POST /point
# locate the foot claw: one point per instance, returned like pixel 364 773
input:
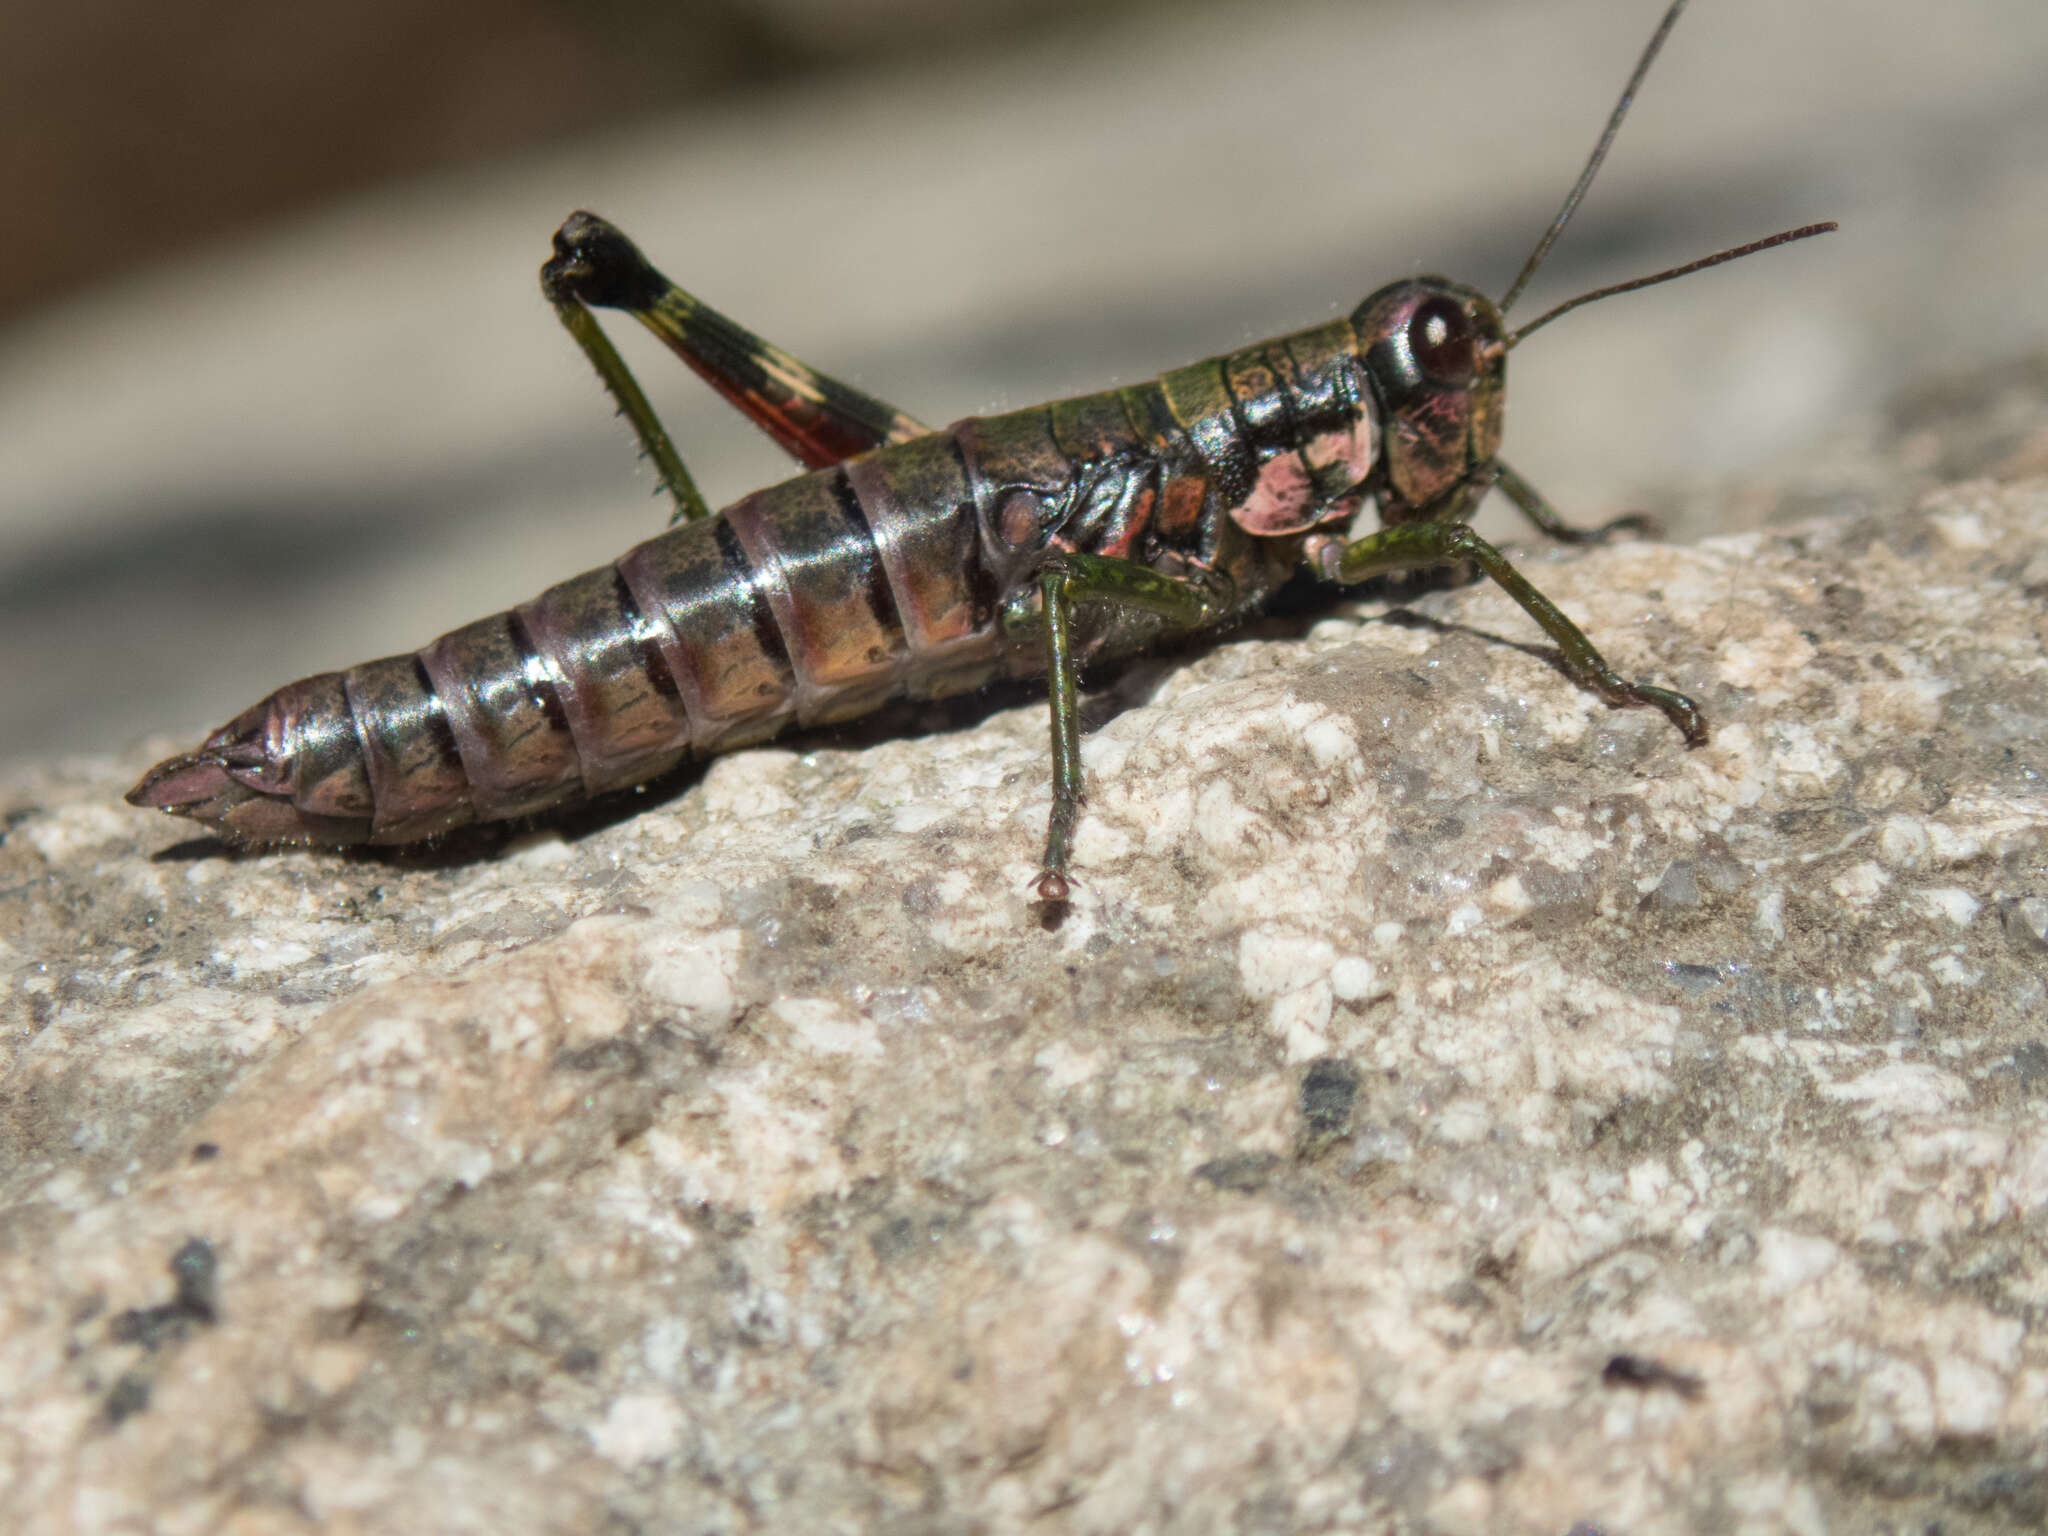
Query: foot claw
pixel 1675 707
pixel 1639 525
pixel 1053 886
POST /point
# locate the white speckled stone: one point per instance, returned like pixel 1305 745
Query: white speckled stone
pixel 1423 1038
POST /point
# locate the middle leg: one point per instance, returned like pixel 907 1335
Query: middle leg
pixel 1071 580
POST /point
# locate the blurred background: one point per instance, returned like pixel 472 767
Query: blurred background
pixel 278 391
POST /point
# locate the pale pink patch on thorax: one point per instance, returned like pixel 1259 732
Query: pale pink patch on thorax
pixel 1281 499
pixel 1284 498
pixel 1355 448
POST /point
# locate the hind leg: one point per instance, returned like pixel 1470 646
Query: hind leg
pixel 816 418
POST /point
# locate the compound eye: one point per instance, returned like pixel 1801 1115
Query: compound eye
pixel 1440 341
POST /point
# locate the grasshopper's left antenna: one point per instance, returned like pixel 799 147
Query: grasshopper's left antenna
pixel 1578 191
pixel 1571 202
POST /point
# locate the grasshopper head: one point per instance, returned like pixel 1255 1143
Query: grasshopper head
pixel 1437 358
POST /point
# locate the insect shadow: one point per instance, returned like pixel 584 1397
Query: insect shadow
pixel 1132 683
pixel 1128 685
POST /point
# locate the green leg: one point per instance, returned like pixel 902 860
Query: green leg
pixel 816 418
pixel 1547 521
pixel 655 442
pixel 1423 544
pixel 1071 580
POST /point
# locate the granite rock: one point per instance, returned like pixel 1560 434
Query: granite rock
pixel 1448 1105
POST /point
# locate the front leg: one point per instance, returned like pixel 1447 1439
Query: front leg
pixel 1065 583
pixel 1547 521
pixel 1424 544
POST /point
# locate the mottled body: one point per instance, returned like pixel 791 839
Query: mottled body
pixel 812 601
pixel 914 563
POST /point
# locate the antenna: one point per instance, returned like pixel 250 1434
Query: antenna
pixel 1805 231
pixel 1578 191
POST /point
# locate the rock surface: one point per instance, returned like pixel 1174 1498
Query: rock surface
pixel 1449 1105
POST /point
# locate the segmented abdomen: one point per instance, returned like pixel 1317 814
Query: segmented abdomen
pixel 811 601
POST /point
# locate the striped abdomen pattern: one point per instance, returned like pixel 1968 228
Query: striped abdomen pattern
pixel 803 603
pixel 808 602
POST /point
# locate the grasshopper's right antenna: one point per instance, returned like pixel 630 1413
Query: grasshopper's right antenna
pixel 1785 237
pixel 1571 202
